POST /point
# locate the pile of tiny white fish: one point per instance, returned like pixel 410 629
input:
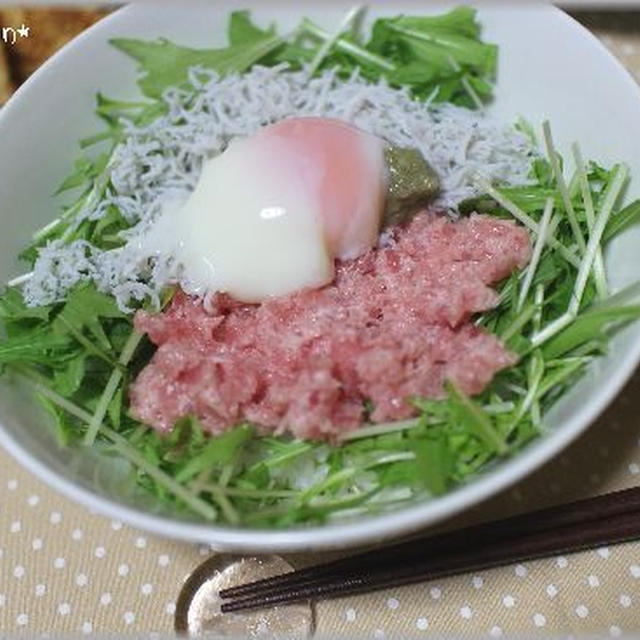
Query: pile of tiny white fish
pixel 160 163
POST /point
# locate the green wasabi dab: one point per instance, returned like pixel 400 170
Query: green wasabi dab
pixel 412 184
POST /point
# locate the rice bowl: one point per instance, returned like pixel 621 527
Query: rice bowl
pixel 436 508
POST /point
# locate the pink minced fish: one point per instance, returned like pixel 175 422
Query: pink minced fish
pixel 395 323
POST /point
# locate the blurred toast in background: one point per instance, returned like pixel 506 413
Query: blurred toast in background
pixel 49 29
pixel 6 84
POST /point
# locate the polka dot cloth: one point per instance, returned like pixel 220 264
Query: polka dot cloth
pixel 66 571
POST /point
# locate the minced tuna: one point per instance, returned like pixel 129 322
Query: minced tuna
pixel 394 324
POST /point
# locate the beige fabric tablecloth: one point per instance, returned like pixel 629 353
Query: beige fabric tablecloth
pixel 65 570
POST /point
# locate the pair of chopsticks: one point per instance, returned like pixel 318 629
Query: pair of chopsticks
pixel 593 522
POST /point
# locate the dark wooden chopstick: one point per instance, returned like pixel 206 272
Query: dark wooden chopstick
pixel 542 520
pixel 595 521
pixel 568 539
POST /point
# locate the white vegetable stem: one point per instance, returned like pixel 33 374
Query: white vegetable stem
pixel 525 219
pixel 545 230
pixel 466 84
pixel 110 388
pixel 17 281
pixel 598 265
pixel 136 458
pixel 611 195
pixel 609 202
pixel 534 377
pixel 562 186
pixel 326 46
pixel 348 46
pixel 127 451
pixel 538 299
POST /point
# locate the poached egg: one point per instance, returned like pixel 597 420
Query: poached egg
pixel 270 215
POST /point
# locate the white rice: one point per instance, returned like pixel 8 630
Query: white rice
pixel 161 162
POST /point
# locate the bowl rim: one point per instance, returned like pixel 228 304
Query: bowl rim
pixel 368 529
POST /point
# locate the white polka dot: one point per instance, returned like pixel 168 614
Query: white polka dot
pixel 466 612
pixel 16 525
pixel 129 617
pixel 170 608
pixel 55 517
pixel 123 570
pixel 521 570
pixel 81 580
pixel 105 599
pixel 18 571
pixel 392 603
pixel 435 593
pixel 634 570
pixel 59 563
pixel 495 632
pixel 350 614
pixel 582 611
pixel 116 525
pixel 146 589
pixel 422 623
pixel 552 590
pixel 33 500
pixel 163 560
pixel 561 562
pixel 141 542
pixel 36 544
pixel 477 582
pixel 40 590
pixel 378 634
pixel 625 600
pixel 604 552
pixel 77 534
pixel 508 601
pixel 12 485
pixel 615 632
pixel 593 581
pixel 100 552
pixel 539 620
pixel 634 469
pixel 87 627
pixel 22 619
pixel 64 609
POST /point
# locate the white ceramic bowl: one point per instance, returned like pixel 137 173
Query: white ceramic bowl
pixel 550 67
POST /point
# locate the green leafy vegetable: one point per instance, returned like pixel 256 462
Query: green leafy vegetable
pixel 165 64
pixel 438 56
pixel 84 308
pixel 243 32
